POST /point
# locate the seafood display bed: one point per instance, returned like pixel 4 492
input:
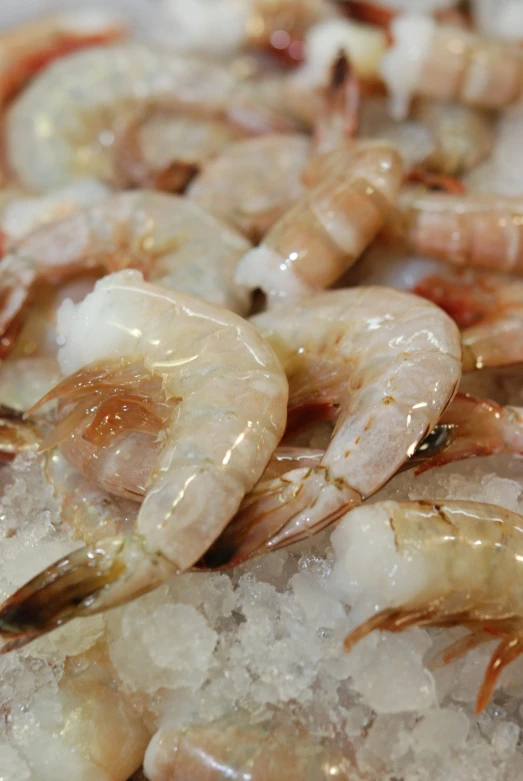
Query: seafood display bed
pixel 261 411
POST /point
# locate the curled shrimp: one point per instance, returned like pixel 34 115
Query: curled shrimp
pixel 489 308
pixel 171 240
pixel 164 149
pixel 85 101
pixel 26 49
pixel 321 236
pixel 234 749
pixel 449 63
pixel 165 365
pixel 455 563
pixel 483 231
pixel 255 181
pixel 390 364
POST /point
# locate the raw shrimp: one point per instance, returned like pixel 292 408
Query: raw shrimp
pixel 474 230
pixel 322 235
pixel 490 310
pixel 470 427
pixel 390 363
pixel 16 435
pixel 454 563
pixel 449 63
pixel 221 396
pixel 64 126
pixel 22 213
pixel 26 49
pixel 172 241
pixel 224 26
pixel 253 182
pixel 89 723
pixel 234 749
pixel 164 150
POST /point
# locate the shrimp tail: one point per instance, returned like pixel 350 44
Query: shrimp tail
pixel 90 580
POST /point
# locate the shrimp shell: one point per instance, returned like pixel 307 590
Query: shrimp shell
pixel 390 364
pixel 234 749
pixel 483 231
pixel 455 563
pixel 449 63
pixel 63 126
pixel 173 241
pixel 321 236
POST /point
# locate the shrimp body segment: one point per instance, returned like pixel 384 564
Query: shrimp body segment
pixel 30 47
pixel 154 359
pixel 390 364
pixel 239 751
pixel 321 236
pixel 65 125
pixel 449 63
pixel 172 241
pixel 484 231
pixel 456 563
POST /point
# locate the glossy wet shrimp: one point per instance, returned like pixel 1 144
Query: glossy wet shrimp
pixel 449 63
pixel 87 100
pixel 235 749
pixel 389 365
pixel 174 242
pixel 164 366
pixel 488 307
pixel 31 46
pixel 482 231
pixel 456 563
pixel 352 190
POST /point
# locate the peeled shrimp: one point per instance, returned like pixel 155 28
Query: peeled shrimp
pixel 454 563
pixel 475 230
pixel 390 364
pixel 26 49
pixel 220 396
pixel 65 125
pixel 234 749
pixel 172 241
pixel 449 63
pixel 490 310
pixel 322 235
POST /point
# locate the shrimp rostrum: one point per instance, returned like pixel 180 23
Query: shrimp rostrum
pixel 163 366
pixel 455 563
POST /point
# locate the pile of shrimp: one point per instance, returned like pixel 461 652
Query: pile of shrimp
pixel 200 355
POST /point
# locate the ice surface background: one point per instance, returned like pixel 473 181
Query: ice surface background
pixel 269 635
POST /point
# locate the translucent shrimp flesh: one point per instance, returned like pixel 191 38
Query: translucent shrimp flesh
pixel 220 394
pixel 31 46
pixel 482 231
pixel 449 63
pixel 172 241
pixel 234 749
pixel 454 563
pixel 254 181
pixel 66 124
pixel 319 238
pixel 390 364
pixel 489 308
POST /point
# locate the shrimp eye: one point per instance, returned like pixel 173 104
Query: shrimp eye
pixel 434 443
